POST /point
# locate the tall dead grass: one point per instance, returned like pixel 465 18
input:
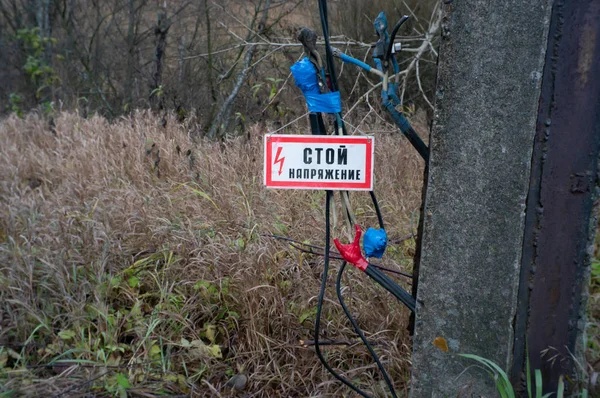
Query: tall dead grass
pixel 132 260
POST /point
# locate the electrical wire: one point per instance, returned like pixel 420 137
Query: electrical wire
pixel 372 271
pixel 328 52
pixel 377 210
pixel 358 330
pixel 320 303
pixel 329 195
pixel 388 284
pixel 388 51
pixel 382 278
pixel 338 289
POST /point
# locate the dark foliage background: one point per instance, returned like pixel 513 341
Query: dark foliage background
pixel 223 63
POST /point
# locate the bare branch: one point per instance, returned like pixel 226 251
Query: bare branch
pixel 436 20
pixel 223 115
pixel 420 86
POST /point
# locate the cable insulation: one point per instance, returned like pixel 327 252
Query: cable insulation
pixel 328 196
pixel 338 289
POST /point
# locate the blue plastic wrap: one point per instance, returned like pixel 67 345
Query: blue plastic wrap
pixel 327 103
pixel 305 76
pixel 375 242
pixel 306 79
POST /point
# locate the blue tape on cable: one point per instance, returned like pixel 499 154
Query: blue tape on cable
pixel 375 242
pixel 327 103
pixel 305 76
pixel 392 92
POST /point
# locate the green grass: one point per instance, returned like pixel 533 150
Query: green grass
pixel 505 388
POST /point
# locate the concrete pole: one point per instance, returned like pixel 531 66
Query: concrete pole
pixel 491 63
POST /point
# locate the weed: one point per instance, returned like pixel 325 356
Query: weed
pixel 504 387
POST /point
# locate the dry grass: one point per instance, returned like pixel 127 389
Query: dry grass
pixel 127 245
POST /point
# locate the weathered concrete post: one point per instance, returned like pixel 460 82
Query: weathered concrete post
pixel 489 78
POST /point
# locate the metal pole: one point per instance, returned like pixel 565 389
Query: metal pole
pixel 555 263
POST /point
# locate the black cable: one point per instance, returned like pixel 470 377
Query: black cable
pixel 332 76
pixel 320 302
pixel 338 289
pixel 388 51
pixel 406 129
pixel 377 210
pixel 328 52
pixel 392 287
pixel 334 87
pixel 296 244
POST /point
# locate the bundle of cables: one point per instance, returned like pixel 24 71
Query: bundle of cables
pixel 350 252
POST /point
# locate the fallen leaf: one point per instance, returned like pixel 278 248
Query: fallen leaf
pixel 441 343
pixel 210 332
pixel 215 351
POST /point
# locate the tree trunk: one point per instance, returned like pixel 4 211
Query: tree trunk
pixel 225 112
pixel 160 31
pixel 43 24
pixel 128 94
pixel 209 67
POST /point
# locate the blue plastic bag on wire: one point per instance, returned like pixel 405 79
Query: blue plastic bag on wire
pixel 375 242
pixel 306 79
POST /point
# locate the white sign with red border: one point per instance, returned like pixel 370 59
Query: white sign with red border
pixel 319 162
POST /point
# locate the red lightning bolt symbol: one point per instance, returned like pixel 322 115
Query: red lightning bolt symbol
pixel 278 160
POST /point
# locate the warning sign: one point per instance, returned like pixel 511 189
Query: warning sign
pixel 319 162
